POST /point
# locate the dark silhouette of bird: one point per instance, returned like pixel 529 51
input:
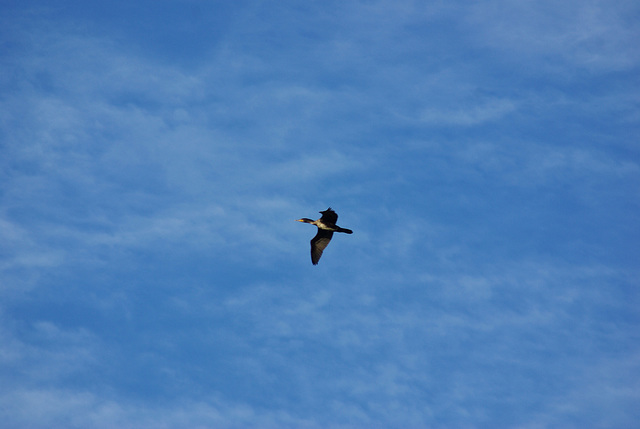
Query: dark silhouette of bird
pixel 326 227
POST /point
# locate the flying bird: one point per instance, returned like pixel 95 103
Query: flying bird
pixel 326 227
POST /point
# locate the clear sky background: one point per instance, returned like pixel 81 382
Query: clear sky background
pixel 155 154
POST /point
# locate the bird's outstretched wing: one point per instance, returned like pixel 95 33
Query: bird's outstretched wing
pixel 329 216
pixel 319 243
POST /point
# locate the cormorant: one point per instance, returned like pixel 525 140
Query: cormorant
pixel 326 227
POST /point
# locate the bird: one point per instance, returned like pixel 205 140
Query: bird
pixel 326 227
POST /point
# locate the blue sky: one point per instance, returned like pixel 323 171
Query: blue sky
pixel 155 154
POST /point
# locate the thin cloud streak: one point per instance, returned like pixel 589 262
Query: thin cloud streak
pixel 492 110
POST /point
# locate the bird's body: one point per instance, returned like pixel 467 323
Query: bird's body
pixel 326 227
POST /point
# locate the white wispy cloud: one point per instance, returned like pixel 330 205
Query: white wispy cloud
pixel 592 35
pixel 489 111
pixel 43 407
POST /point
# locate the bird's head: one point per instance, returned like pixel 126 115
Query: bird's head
pixel 305 220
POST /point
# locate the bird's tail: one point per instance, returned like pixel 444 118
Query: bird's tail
pixel 345 230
